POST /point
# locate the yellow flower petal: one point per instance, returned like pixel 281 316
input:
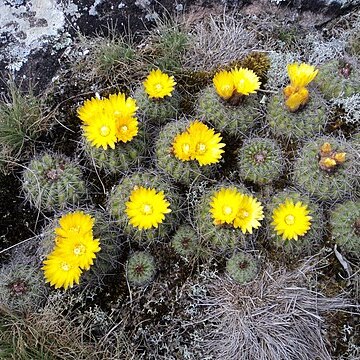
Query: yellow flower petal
pixel 224 84
pixel 76 223
pixel 126 129
pixel 158 84
pixel 297 99
pixel 183 146
pixel 291 220
pixel 301 74
pixel 146 208
pixel 245 81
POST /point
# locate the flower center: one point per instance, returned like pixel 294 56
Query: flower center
pixel 65 266
pixel 158 87
pixel 104 130
pixel 79 249
pixel 124 129
pixel 147 209
pixel 243 214
pixel 186 148
pixel 289 219
pixel 75 229
pixel 201 148
pixel 227 210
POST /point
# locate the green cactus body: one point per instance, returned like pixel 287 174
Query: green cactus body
pixel 52 182
pixel 217 237
pixel 305 122
pixel 260 161
pixel 120 195
pixel 185 242
pixel 308 175
pixel 157 111
pixel 337 80
pixel 22 287
pixel 306 244
pixel 140 268
pixel 183 171
pixel 124 157
pixel 242 267
pixel 233 120
pixel 345 226
pixel 109 237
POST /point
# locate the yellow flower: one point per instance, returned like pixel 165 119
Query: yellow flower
pixel 61 272
pixel 80 250
pixel 101 132
pixel 158 84
pixel 340 157
pixel 183 147
pixel 249 213
pixel 224 84
pixel 120 107
pixel 146 208
pixel 207 146
pixel 245 81
pixel 297 99
pixel 91 110
pixel 126 128
pixel 301 74
pixel 225 205
pixel 291 220
pixel 75 224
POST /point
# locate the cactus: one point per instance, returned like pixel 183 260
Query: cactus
pixel 258 62
pixel 345 226
pixel 140 268
pixel 106 260
pixel 260 161
pixel 124 157
pixel 306 122
pixel 52 182
pixel 338 79
pixel 306 244
pixel 332 184
pixel 120 195
pixel 183 171
pixel 157 111
pixel 242 267
pixel 233 120
pixel 217 237
pixel 22 287
pixel 185 242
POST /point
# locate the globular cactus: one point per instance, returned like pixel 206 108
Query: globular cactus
pixel 185 242
pixel 305 244
pixel 217 238
pixel 124 157
pixel 52 182
pixel 260 161
pixel 140 268
pixel 242 267
pixel 120 195
pixel 345 226
pixel 110 242
pixel 232 120
pixel 183 171
pixel 22 287
pixel 338 79
pixel 305 122
pixel 157 111
pixel 326 183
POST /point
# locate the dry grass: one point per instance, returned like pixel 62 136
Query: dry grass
pixel 276 316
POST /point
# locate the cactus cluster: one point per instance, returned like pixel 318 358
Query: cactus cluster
pixel 52 182
pixel 260 161
pixel 224 117
pixel 326 184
